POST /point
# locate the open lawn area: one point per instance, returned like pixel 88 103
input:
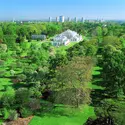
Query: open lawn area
pixel 78 117
pixel 62 49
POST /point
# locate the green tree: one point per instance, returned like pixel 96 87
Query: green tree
pixel 11 30
pixel 113 71
pixel 1 34
pixel 22 96
pixel 111 40
pixel 70 83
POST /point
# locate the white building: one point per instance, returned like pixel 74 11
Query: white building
pixel 66 37
pixel 60 40
pixel 62 19
pixel 57 19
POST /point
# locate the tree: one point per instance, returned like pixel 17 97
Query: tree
pixel 122 39
pixel 11 30
pixel 70 83
pixel 53 29
pixel 22 96
pixel 58 60
pixel 22 31
pixel 105 31
pixel 8 100
pixel 10 40
pixel 111 40
pixel 113 71
pixel 87 48
pixel 1 34
pixel 34 104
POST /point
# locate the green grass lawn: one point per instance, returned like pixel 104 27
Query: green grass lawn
pixel 96 70
pixel 62 49
pixel 92 86
pixel 78 117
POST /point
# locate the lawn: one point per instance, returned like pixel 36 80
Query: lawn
pixel 78 117
pixel 62 49
pixel 96 70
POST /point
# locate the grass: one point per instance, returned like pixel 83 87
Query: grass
pixel 62 49
pixel 96 70
pixel 79 117
pixel 92 86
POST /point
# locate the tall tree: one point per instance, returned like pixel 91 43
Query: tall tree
pixel 70 83
pixel 113 64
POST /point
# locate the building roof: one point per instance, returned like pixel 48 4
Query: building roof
pixel 68 35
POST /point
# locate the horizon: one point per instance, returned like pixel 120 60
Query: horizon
pixel 38 10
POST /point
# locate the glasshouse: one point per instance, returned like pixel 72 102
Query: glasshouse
pixel 66 37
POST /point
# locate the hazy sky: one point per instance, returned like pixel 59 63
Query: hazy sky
pixel 38 9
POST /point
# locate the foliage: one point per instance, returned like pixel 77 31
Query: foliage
pixel 113 70
pixel 26 112
pixel 111 40
pixel 3 48
pixel 22 96
pixel 114 109
pixel 29 69
pixel 71 82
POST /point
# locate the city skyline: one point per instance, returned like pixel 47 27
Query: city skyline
pixel 37 9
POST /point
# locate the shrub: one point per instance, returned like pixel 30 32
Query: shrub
pixel 3 47
pixel 26 112
pixel 7 100
pixel 5 113
pixel 22 96
pixel 34 104
pixel 9 114
pixel 13 115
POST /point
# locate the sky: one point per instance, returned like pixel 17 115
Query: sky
pixel 41 9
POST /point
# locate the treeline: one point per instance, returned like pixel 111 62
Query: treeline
pixel 10 32
pixel 109 102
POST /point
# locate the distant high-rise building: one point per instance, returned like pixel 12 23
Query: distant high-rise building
pixel 102 20
pixel 50 19
pixel 69 19
pixel 75 19
pixel 82 20
pixel 57 19
pixel 62 19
